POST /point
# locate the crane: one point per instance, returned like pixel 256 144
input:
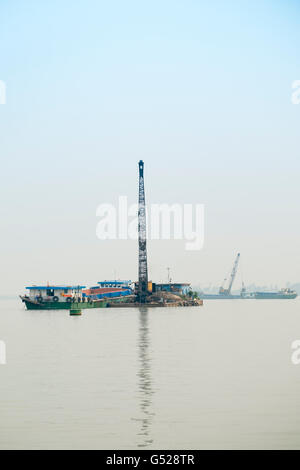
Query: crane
pixel 142 230
pixel 227 291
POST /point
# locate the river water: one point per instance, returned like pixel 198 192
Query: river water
pixel 213 377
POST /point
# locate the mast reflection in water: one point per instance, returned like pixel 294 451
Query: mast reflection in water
pixel 145 381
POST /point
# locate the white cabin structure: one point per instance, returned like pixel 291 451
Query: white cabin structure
pixel 54 293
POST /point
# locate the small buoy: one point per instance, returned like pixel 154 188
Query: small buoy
pixel 75 311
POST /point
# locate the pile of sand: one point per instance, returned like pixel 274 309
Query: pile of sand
pixel 165 296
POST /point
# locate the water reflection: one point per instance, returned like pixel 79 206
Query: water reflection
pixel 145 380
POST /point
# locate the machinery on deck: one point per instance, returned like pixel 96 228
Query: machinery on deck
pixel 227 291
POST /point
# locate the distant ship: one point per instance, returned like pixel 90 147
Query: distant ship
pixel 225 293
pixel 281 294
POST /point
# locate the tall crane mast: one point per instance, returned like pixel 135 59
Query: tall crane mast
pixel 142 229
pixel 232 277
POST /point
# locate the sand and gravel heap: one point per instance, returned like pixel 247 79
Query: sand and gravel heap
pixel 169 298
pixel 164 297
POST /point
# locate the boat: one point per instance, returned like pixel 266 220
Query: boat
pixel 60 298
pixel 225 293
pixel 281 294
pixel 109 289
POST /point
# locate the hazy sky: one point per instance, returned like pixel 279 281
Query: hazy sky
pixel 200 90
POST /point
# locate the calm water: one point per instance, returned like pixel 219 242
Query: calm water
pixel 219 376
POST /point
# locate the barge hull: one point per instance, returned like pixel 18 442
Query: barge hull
pixel 32 305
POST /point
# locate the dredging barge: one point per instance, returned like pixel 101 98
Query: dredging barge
pixel 74 299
